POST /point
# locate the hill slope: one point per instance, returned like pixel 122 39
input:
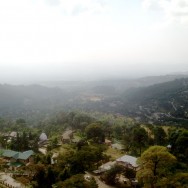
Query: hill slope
pixel 158 103
pixel 27 101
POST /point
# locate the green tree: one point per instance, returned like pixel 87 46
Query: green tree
pixel 50 177
pixel 20 121
pixel 173 135
pixel 95 132
pixel 110 176
pixel 182 146
pixel 78 181
pixel 180 180
pixel 39 176
pixel 159 136
pixel 178 140
pixel 127 139
pixel 154 166
pixel 86 158
pixel 140 138
pixel 117 132
pixel 107 129
pixel 24 142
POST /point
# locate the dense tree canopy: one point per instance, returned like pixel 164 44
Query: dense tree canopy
pixel 159 136
pixel 154 165
pixel 88 152
pixel 78 181
pixel 179 139
pixel 95 132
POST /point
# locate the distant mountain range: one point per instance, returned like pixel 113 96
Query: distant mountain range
pixel 115 86
pixel 155 99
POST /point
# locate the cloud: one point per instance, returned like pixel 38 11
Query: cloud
pixel 53 2
pixel 176 11
pixel 153 4
pixel 77 7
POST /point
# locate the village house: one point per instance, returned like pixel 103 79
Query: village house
pixel 16 159
pixel 43 140
pixel 13 134
pixel 67 136
pixel 128 161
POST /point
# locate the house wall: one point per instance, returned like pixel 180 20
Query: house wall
pixel 127 165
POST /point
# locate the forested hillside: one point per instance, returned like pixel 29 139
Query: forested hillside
pixel 166 102
pixel 68 142
pixel 29 101
pixel 162 103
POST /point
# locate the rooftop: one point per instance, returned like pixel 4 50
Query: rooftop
pixel 13 134
pixel 128 159
pixel 43 137
pixel 67 134
pixel 17 155
pixel 107 166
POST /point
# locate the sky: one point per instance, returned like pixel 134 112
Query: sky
pixel 42 40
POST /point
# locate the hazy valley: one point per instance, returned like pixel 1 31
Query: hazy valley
pixel 95 133
pixel 160 99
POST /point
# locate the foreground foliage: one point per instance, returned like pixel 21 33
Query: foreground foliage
pixel 156 169
pixel 78 181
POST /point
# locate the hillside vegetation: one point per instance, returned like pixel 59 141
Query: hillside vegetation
pixel 160 103
pixel 165 102
pixel 29 102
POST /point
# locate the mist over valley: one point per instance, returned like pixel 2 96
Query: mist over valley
pixel 94 93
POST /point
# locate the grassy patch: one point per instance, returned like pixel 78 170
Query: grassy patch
pixel 62 149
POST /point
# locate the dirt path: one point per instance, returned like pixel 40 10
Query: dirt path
pixel 99 182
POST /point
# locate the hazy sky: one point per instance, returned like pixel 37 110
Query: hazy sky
pixel 84 39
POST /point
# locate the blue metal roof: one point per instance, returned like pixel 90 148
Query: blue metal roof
pixel 17 155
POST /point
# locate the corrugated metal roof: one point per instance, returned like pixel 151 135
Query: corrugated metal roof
pixel 26 154
pixel 9 153
pixel 17 155
pixel 128 159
